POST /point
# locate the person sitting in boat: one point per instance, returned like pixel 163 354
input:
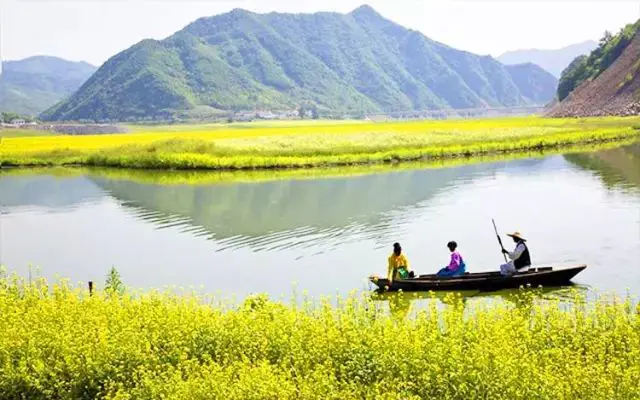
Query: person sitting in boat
pixel 456 266
pixel 520 257
pixel 398 265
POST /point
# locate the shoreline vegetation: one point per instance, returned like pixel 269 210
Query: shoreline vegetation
pixel 58 341
pixel 273 145
pixel 208 177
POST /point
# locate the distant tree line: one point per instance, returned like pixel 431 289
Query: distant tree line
pixel 10 116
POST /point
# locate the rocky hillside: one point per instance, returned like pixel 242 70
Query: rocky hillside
pixel 34 84
pixel 355 63
pixel 607 82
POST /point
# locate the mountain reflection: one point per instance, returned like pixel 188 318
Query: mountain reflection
pixel 619 167
pixel 291 213
pixel 298 213
pixel 47 192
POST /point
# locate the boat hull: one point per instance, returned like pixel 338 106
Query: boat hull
pixel 534 277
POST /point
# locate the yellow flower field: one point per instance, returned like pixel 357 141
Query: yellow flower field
pixel 273 145
pixel 58 342
pixel 208 177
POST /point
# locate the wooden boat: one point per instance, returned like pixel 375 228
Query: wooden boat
pixel 542 276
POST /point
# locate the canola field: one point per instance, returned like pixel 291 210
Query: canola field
pixel 209 177
pixel 302 144
pixel 59 342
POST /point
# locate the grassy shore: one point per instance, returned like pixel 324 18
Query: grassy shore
pixel 57 342
pixel 209 177
pixel 291 145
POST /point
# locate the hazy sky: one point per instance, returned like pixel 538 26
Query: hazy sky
pixel 94 30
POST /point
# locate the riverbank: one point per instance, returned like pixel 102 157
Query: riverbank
pixel 273 146
pixel 57 341
pixel 212 177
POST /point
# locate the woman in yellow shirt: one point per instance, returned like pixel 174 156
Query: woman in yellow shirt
pixel 398 265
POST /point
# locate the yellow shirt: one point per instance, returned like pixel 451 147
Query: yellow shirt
pixel 396 262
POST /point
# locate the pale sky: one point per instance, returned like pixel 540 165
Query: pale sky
pixel 94 30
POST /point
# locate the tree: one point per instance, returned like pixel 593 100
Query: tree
pixel 606 38
pixel 314 112
pixel 10 116
pixel 302 112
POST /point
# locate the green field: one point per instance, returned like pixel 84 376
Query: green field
pixel 311 144
pixel 58 342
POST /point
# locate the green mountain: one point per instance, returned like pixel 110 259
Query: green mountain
pixel 34 84
pixel 587 68
pixel 554 61
pixel 604 83
pixel 535 84
pixel 353 63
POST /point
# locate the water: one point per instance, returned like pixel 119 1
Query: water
pixel 325 236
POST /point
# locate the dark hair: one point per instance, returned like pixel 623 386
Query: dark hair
pixel 396 248
pixel 452 245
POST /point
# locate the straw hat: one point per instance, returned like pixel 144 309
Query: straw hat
pixel 517 235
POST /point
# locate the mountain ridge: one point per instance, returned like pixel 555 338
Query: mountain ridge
pixel 552 60
pixel 241 60
pixel 31 85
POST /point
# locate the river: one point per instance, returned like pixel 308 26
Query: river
pixel 324 236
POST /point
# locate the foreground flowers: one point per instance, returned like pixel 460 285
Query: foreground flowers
pixel 59 342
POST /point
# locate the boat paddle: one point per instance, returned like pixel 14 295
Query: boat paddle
pixel 499 240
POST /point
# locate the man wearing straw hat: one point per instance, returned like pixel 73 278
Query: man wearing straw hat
pixel 520 257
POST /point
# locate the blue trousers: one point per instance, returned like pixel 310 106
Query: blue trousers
pixel 447 272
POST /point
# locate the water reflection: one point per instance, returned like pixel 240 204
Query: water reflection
pixel 47 192
pixel 617 168
pixel 283 214
pixel 326 234
pixel 401 305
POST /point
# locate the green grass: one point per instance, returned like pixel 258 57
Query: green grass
pixel 317 144
pixel 58 342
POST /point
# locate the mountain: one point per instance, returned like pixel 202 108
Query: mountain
pixel 34 84
pixel 535 84
pixel 606 82
pixel 554 61
pixel 355 63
